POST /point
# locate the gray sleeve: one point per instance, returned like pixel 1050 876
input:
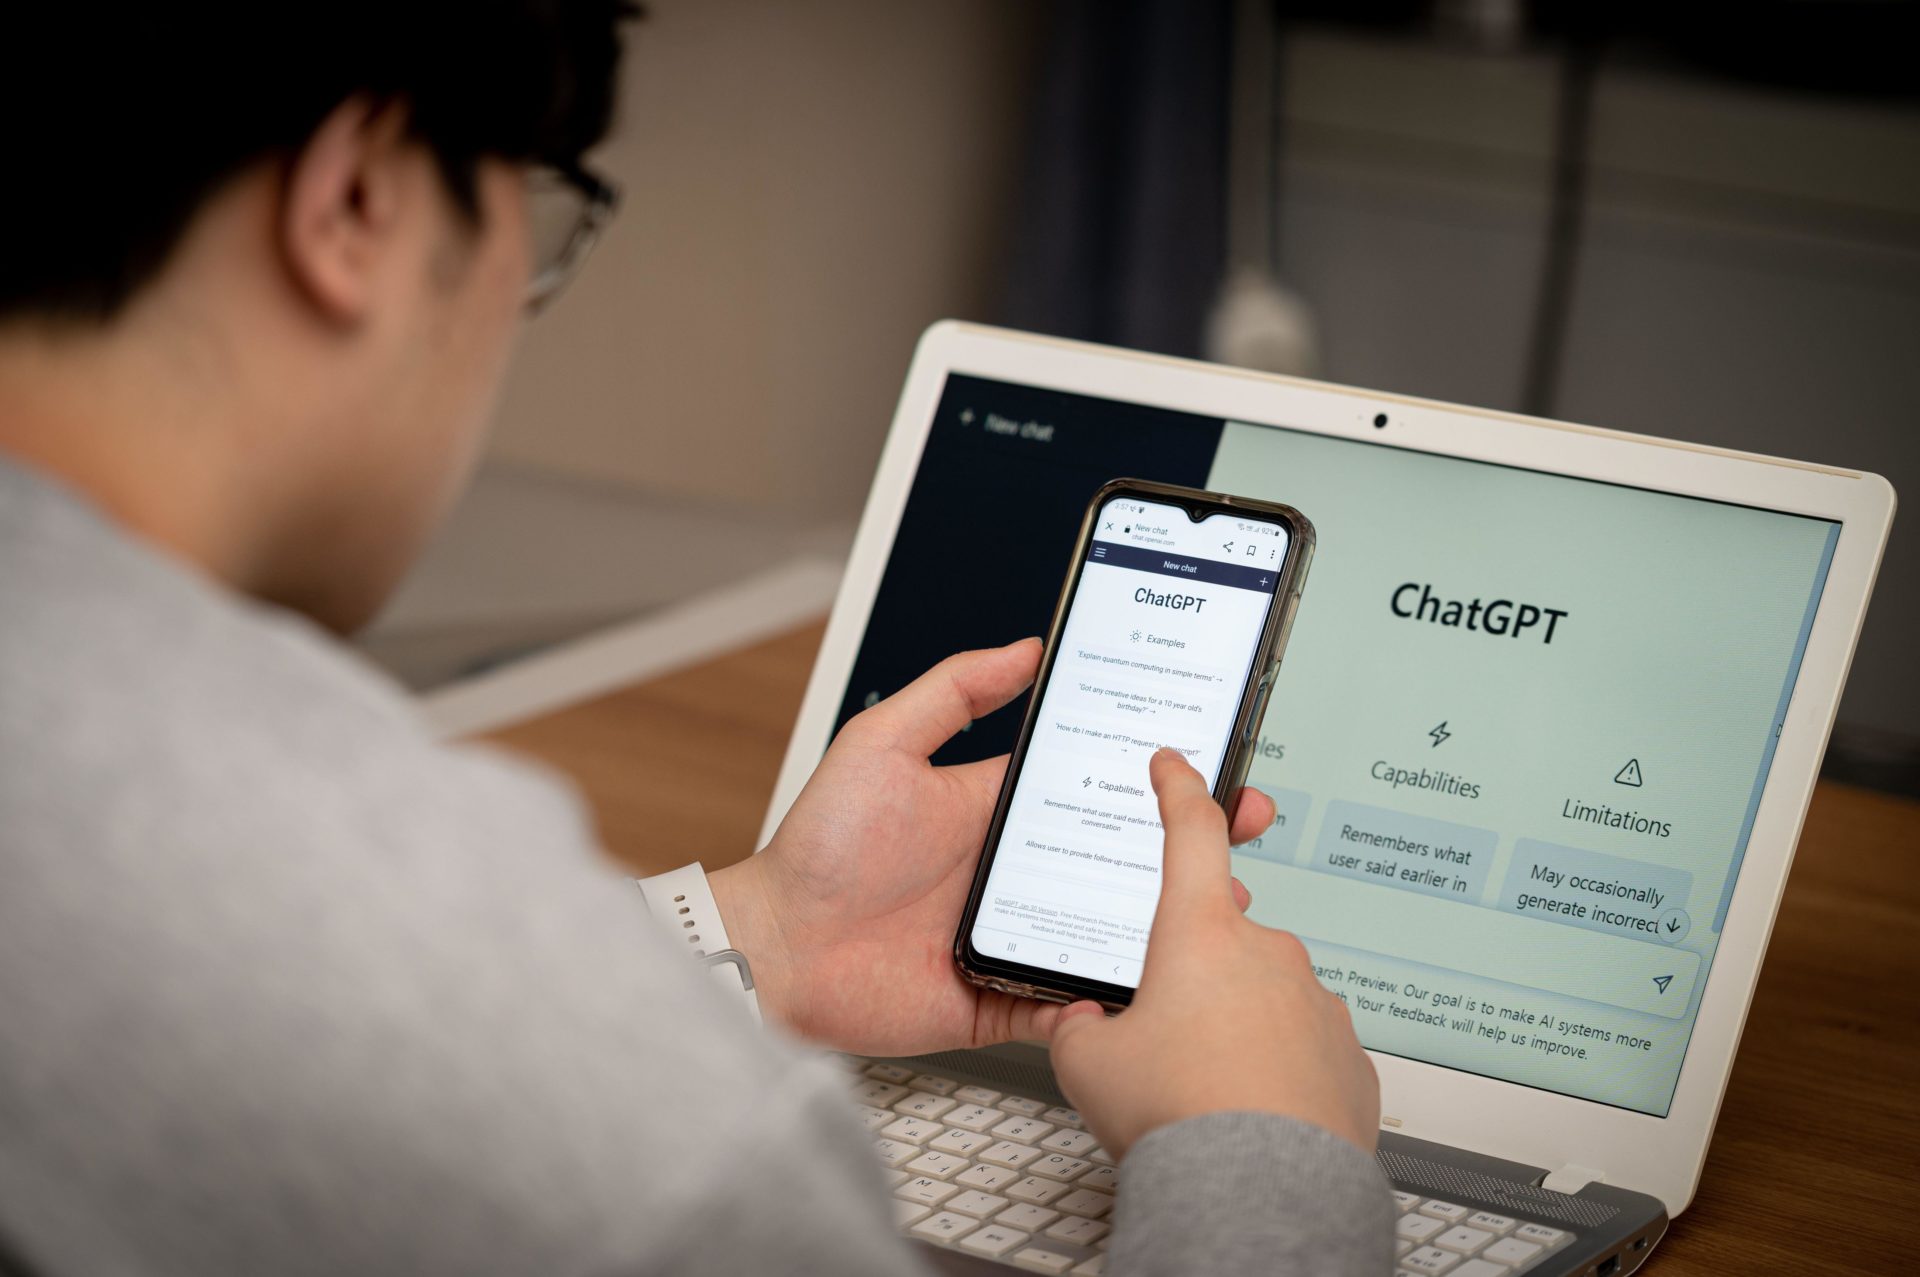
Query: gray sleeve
pixel 1251 1193
pixel 384 1012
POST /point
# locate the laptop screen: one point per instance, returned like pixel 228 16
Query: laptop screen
pixel 1517 741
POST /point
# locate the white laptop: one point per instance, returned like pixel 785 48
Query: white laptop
pixel 1555 1017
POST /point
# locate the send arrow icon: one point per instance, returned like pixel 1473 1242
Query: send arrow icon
pixel 1662 981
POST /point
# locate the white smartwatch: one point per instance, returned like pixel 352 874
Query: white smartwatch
pixel 684 904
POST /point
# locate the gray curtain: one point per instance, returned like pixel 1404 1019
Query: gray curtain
pixel 1121 235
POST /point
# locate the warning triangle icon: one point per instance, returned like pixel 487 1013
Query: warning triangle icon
pixel 1630 774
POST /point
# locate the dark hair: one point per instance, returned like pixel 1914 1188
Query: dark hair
pixel 121 118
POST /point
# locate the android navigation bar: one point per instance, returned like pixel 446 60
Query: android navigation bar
pixel 1186 567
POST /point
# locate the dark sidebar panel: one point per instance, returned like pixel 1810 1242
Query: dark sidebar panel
pixel 990 521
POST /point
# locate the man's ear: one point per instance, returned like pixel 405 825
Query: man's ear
pixel 345 193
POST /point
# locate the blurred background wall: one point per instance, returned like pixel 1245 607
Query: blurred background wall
pixel 1698 225
pixel 808 185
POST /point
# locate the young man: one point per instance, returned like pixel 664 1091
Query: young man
pixel 288 987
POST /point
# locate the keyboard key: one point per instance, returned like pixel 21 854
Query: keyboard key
pixel 1036 1260
pixel 1428 1259
pixel 905 1212
pixel 911 1130
pixel 944 1227
pixel 989 1179
pixel 894 1073
pixel 873 1119
pixel 878 1094
pixel 1062 1117
pixel 1510 1251
pixel 979 1095
pixel 1406 1201
pixel 1460 1239
pixel 1101 1155
pixel 1026 1217
pixel 1498 1225
pixel 1095 1267
pixel 926 1191
pixel 975 1117
pixel 894 1153
pixel 994 1241
pixel 924 1105
pixel 976 1203
pixel 962 1142
pixel 1103 1179
pixel 1072 1143
pixel 938 1165
pixel 937 1085
pixel 1022 1106
pixel 1480 1268
pixel 1058 1166
pixel 1084 1201
pixel 1417 1228
pixel 1037 1191
pixel 1540 1235
pixel 1023 1130
pixel 895 1179
pixel 1445 1210
pixel 1077 1230
pixel 1401 1245
pixel 1010 1155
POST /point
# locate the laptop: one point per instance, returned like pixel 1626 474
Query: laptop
pixel 1554 1017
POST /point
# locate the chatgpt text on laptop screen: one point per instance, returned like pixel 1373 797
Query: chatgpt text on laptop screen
pixel 1517 742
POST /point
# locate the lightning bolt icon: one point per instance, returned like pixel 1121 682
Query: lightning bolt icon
pixel 1439 734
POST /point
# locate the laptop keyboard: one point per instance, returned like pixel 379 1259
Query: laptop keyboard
pixel 1017 1179
pixel 1433 1235
pixel 987 1172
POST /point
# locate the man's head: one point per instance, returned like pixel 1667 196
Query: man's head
pixel 261 263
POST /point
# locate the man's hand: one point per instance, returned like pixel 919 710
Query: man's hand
pixel 1216 988
pixel 849 914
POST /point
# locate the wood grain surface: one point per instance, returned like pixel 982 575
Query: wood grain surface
pixel 1815 1165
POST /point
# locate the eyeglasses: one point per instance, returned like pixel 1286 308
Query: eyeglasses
pixel 566 210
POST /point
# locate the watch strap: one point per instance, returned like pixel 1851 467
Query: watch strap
pixel 683 902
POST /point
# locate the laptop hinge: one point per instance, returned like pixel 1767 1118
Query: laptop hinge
pixel 1571 1179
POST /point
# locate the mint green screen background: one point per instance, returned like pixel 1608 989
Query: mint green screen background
pixel 1683 629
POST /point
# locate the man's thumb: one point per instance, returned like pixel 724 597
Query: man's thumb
pixel 1075 1032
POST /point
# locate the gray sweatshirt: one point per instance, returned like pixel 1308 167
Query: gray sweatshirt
pixel 286 988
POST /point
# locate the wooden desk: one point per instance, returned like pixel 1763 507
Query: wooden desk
pixel 1816 1163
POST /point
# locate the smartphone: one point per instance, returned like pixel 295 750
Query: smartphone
pixel 1169 631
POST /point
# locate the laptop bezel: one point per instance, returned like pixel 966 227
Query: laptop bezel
pixel 1658 1155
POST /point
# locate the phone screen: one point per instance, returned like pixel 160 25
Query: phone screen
pixel 1157 650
